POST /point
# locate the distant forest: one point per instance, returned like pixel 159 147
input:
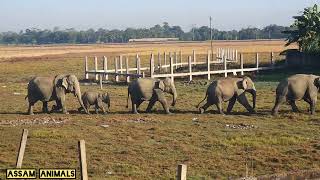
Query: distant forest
pixel 56 36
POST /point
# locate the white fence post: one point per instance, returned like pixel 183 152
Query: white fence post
pixel 225 66
pixel 272 59
pixel 100 81
pixel 116 69
pixel 208 64
pixel 190 68
pixel 241 64
pixel 86 74
pixel 181 59
pixel 194 56
pixel 96 67
pixel 171 69
pixel 120 63
pixel 182 172
pixel 151 65
pixel 236 55
pixel 165 61
pixel 257 61
pixel 139 66
pixel 127 69
pixel 105 67
pixel 159 61
pixel 176 60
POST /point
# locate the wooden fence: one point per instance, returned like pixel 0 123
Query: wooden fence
pixel 165 65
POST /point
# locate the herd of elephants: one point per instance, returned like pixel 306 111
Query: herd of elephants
pixel 296 87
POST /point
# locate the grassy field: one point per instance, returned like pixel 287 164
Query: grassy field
pixel 149 146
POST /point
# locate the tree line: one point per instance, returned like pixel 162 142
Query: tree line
pixel 72 36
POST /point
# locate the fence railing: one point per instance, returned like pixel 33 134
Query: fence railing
pixel 166 65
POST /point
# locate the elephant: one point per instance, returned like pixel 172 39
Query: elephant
pixel 229 89
pixel 47 89
pixel 297 87
pixel 95 98
pixel 152 90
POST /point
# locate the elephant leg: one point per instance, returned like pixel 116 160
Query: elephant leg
pixel 162 99
pixel 313 106
pixel 307 100
pixel 231 103
pixel 45 107
pixel 96 108
pixel 135 105
pixel 279 100
pixel 219 107
pixel 242 99
pixel 151 104
pixel 293 106
pixel 63 105
pixel 204 107
pixel 30 109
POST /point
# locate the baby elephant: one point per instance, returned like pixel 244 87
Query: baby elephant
pixel 95 98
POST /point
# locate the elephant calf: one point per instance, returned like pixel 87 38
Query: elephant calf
pixel 297 87
pixel 95 98
pixel 229 89
pixel 152 90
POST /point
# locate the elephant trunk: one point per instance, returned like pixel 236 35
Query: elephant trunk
pixel 175 95
pixel 253 92
pixel 79 96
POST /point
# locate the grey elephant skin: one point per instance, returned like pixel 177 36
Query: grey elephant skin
pixel 297 87
pixel 99 100
pixel 229 89
pixel 152 90
pixel 47 89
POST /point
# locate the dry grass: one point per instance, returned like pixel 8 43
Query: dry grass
pixel 149 146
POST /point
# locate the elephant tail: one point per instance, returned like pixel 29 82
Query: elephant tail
pixel 25 98
pixel 202 100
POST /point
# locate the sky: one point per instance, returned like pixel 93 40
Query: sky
pixel 18 15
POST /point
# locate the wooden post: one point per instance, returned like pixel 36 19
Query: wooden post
pixel 83 160
pixel 241 64
pixel 165 60
pixel 176 60
pixel 139 66
pixel 257 61
pixel 105 67
pixel 22 148
pixel 151 65
pixel 182 172
pixel 159 62
pixel 225 66
pixel 116 69
pixel 236 55
pixel 194 56
pixel 208 64
pixel 100 81
pixel 96 67
pixel 171 69
pixel 127 70
pixel 181 59
pixel 120 63
pixel 272 59
pixel 190 68
pixel 86 75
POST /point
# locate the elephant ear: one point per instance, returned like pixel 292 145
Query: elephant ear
pixel 160 85
pixel 64 82
pixel 242 86
pixel 245 83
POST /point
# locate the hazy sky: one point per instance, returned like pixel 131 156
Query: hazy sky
pixel 16 15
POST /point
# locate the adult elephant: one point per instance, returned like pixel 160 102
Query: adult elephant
pixel 47 89
pixel 229 89
pixel 152 90
pixel 297 87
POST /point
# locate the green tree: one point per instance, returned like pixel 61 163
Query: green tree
pixel 305 31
